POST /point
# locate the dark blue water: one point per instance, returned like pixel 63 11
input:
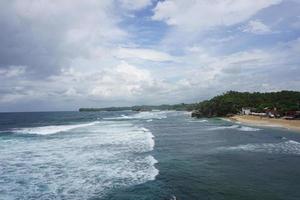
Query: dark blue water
pixel 149 155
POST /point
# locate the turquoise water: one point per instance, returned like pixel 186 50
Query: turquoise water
pixel 148 155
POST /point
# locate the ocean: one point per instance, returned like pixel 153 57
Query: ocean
pixel 158 155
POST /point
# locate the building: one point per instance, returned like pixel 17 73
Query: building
pixel 246 111
pixel 292 115
pixel 259 114
pixel 272 113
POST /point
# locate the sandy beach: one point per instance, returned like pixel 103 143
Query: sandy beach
pixel 263 121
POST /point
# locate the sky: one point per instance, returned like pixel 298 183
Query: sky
pixel 60 55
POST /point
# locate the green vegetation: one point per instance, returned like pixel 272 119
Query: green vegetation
pixel 179 107
pixel 229 103
pixel 232 102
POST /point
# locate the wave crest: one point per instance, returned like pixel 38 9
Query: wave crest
pixel 148 115
pixel 236 127
pixel 108 155
pixel 288 147
pixel 47 130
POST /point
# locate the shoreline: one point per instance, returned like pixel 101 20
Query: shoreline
pixel 293 125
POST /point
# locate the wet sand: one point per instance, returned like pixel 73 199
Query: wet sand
pixel 264 121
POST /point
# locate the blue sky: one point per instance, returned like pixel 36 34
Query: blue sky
pixel 62 55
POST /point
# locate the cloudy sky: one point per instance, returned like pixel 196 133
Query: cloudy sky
pixel 66 54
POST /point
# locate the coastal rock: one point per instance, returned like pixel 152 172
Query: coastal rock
pixel 197 114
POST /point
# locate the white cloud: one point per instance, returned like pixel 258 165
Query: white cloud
pixel 202 14
pixel 135 4
pixel 257 27
pixel 98 63
pixel 9 98
pixel 46 35
pixel 145 54
pixel 203 75
pixel 12 71
pixel 296 24
pixel 122 82
pixel 250 70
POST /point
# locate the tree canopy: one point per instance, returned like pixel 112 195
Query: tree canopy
pixel 232 102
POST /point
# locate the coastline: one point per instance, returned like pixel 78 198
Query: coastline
pixel 263 121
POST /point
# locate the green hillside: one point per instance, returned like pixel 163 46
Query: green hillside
pixel 232 102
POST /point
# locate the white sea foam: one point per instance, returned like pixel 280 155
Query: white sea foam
pixel 288 147
pixel 223 127
pixel 110 154
pixel 148 115
pixel 199 121
pixel 189 113
pixel 236 127
pixel 272 125
pixel 123 137
pixel 145 129
pixel 152 171
pixel 47 130
pixel 120 133
pixel 246 128
pixel 225 119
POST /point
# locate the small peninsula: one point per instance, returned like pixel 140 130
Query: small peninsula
pixel 272 104
pixel 277 109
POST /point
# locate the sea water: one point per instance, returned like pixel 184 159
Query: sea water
pixel 144 155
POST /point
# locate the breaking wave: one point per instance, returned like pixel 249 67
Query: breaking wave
pixel 236 127
pixel 225 119
pixel 108 155
pixel 199 121
pixel 47 130
pixel 288 147
pixel 148 115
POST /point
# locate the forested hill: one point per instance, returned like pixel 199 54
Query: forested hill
pixel 232 102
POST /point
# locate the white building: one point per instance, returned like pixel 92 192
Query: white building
pixel 246 111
